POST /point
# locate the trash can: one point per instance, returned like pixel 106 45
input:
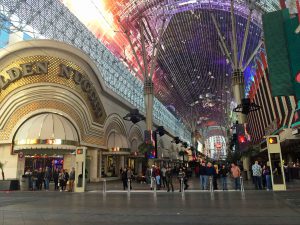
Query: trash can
pixel 24 184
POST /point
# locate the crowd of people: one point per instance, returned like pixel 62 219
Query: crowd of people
pixel 163 177
pixel 208 173
pixel 40 179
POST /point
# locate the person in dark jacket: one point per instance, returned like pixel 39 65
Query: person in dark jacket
pixel 215 177
pixel 223 174
pixel 40 179
pixel 203 176
pixel 55 179
pixel 169 180
pixel 210 172
pixel 67 176
pixel 124 179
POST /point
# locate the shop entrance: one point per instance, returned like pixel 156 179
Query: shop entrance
pixel 42 161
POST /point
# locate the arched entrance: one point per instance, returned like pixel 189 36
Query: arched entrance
pixel 46 140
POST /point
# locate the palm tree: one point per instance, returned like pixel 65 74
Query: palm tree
pixel 1 167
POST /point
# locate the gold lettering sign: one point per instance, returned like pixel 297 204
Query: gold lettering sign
pixel 85 84
pixel 27 69
pixel 41 67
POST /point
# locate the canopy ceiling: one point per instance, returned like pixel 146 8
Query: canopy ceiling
pixel 192 78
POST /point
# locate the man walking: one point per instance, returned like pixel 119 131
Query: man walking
pixel 257 172
pixel 236 173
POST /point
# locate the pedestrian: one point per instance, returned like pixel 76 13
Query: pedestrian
pixel 163 176
pixel 257 172
pixel 236 173
pixel 157 177
pixel 34 180
pixel 215 177
pixel 186 178
pixel 40 179
pixel 152 180
pixel 67 177
pixel 203 176
pixel 267 174
pixel 124 179
pixel 223 174
pixel 210 172
pixel 129 176
pixel 47 178
pixel 71 180
pixel 61 178
pixel 55 178
pixel 169 180
pixel 181 177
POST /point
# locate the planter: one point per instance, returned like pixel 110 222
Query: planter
pixel 9 185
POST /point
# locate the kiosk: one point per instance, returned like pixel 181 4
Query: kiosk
pixel 80 169
pixel 276 165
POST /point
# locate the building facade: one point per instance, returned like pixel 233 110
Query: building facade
pixel 53 100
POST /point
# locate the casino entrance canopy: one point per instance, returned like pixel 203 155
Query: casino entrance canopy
pixel 46 133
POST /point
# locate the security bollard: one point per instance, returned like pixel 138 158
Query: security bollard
pixel 211 188
pixel 104 186
pixel 242 184
pixel 181 185
pixel 154 184
pixel 128 185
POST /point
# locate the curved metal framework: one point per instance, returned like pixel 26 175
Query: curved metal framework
pixel 51 19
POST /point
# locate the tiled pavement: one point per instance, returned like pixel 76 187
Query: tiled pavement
pixel 218 208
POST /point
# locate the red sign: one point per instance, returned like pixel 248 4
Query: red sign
pixel 79 151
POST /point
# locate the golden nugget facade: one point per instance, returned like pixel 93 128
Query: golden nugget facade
pixel 53 101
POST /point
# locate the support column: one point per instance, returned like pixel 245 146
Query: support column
pixel 93 165
pixel 238 87
pixel 148 94
pixel 239 93
pixel 100 164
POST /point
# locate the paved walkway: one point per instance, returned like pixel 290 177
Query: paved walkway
pixel 219 208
